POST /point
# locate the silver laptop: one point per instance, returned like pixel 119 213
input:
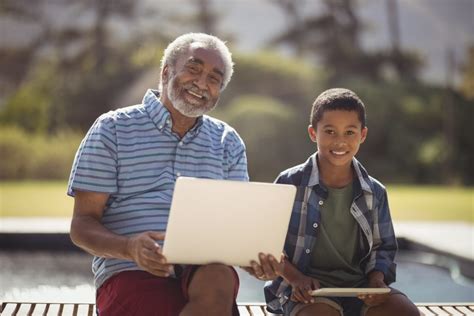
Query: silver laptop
pixel 225 221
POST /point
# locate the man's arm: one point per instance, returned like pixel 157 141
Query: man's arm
pixel 88 233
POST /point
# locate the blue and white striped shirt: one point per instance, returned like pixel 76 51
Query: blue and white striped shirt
pixel 133 155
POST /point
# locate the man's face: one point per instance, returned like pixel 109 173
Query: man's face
pixel 338 134
pixel 195 83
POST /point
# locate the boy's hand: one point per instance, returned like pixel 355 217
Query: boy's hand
pixel 267 269
pixel 302 287
pixel 376 280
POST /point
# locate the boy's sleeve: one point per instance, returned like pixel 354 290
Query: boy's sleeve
pixel 385 243
pixel 95 164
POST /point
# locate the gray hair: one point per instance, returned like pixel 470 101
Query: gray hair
pixel 182 43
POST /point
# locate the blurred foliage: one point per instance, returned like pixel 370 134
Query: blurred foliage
pixel 38 156
pixel 330 31
pixel 467 84
pixel 271 136
pixel 66 77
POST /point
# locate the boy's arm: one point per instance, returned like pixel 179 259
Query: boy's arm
pixel 385 243
pixel 302 285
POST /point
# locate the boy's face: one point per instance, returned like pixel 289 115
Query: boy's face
pixel 338 136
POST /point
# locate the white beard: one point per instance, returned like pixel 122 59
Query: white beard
pixel 188 109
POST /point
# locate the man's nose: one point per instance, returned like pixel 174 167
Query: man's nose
pixel 200 82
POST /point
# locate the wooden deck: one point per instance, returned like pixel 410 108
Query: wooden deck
pixel 246 309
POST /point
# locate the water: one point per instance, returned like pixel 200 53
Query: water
pixel 65 276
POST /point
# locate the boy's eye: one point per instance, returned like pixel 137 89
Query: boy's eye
pixel 329 131
pixel 350 133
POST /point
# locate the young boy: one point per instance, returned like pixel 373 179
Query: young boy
pixel 340 233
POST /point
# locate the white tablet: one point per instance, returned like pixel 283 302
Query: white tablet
pixel 226 221
pixel 349 292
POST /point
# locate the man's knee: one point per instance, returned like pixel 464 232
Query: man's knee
pixel 214 282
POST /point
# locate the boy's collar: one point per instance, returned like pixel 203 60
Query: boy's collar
pixel 362 175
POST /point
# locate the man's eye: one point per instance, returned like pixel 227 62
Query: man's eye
pixel 193 69
pixel 215 80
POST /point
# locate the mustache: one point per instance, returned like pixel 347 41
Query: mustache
pixel 193 88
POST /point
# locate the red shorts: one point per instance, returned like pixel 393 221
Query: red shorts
pixel 141 293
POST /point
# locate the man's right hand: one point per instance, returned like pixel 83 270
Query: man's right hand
pixel 145 251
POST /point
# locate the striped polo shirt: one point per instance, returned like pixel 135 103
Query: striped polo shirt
pixel 133 155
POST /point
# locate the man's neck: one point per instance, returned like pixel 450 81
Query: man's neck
pixel 181 123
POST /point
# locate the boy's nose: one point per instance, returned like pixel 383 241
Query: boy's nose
pixel 340 144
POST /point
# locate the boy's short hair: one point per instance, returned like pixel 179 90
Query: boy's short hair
pixel 337 99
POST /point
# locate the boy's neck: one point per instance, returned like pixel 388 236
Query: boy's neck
pixel 335 177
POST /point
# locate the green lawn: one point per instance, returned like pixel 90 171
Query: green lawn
pixel 48 198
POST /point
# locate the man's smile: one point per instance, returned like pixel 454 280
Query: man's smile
pixel 197 95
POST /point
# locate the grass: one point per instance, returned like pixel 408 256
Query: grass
pixel 35 198
pixel 427 203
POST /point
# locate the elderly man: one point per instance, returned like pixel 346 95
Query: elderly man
pixel 123 177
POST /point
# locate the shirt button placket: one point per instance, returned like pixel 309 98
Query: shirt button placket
pixel 180 147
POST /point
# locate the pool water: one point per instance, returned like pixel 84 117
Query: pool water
pixel 66 276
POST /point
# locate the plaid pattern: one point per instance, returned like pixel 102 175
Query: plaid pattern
pixel 370 209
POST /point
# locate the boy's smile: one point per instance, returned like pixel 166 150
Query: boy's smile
pixel 338 135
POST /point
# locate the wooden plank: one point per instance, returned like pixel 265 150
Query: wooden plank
pixel 464 310
pixel 68 310
pixel 39 310
pixel 11 309
pixel 243 310
pixel 438 311
pixel 82 310
pixel 91 309
pixel 24 309
pixel 54 310
pixel 452 311
pixel 256 310
pixel 74 311
pixel 425 311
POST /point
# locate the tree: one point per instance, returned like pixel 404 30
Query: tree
pixel 467 82
pixel 79 55
pixel 331 31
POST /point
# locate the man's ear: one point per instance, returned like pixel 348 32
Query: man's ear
pixel 312 133
pixel 165 74
pixel 363 133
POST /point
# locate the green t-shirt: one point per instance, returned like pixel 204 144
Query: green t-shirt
pixel 335 256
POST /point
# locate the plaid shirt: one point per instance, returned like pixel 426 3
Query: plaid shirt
pixel 370 209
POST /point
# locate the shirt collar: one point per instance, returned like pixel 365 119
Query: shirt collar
pixel 160 115
pixel 362 174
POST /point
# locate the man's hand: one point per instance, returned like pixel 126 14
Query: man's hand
pixel 267 269
pixel 376 280
pixel 302 287
pixel 144 250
